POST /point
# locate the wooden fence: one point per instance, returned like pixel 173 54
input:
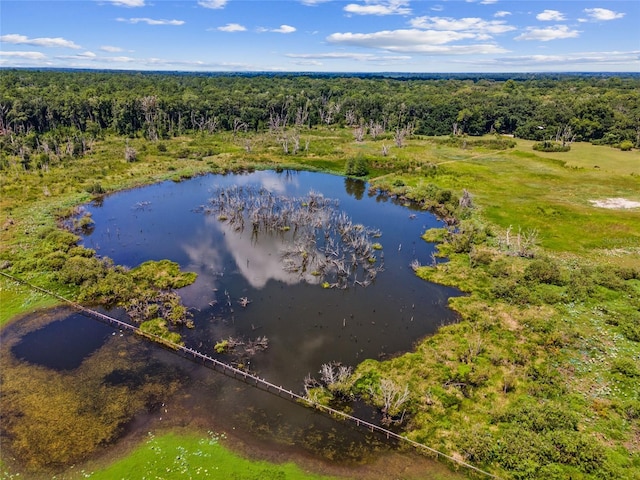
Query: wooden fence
pixel 250 378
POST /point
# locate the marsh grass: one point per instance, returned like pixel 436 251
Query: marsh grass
pixel 52 419
pixel 549 346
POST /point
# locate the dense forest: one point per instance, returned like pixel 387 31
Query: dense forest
pixel 49 113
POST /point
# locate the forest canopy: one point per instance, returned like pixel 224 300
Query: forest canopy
pixel 49 111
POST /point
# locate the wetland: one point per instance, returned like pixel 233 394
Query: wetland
pixel 244 292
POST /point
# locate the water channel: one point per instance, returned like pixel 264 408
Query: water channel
pixel 242 291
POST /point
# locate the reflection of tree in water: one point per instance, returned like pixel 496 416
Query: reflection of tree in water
pixel 355 187
pixel 316 237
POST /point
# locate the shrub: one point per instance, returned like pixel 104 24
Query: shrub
pixel 478 256
pixel 130 154
pixel 95 188
pixel 626 145
pixel 78 270
pixel 625 366
pixel 357 167
pixel 543 270
pixel 630 328
pixel 549 146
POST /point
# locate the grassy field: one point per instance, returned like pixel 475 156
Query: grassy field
pixel 189 456
pixel 539 377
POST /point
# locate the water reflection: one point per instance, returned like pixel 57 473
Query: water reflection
pixel 306 325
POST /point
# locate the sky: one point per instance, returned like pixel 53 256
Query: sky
pixel 420 36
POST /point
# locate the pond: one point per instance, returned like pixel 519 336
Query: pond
pixel 244 292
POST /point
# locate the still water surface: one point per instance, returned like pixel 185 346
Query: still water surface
pixel 306 325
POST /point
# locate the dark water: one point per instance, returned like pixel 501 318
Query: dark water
pixel 306 325
pixel 63 344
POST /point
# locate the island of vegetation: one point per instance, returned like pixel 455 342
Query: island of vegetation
pixel 536 177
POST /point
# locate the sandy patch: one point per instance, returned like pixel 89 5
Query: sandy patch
pixel 615 203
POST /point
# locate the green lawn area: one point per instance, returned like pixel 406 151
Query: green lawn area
pixel 172 456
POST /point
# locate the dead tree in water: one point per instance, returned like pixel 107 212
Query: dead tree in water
pixel 317 238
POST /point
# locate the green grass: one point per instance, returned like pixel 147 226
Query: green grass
pixel 595 157
pixel 523 347
pixel 17 299
pixel 173 456
pixel 528 190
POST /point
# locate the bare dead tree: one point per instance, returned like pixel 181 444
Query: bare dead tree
pixel 391 397
pixel 130 154
pixel 521 245
pixel 204 122
pixel 375 129
pixel 402 133
pixel 466 201
pixel 284 141
pixel 565 135
pixel 149 105
pixel 239 125
pixel 350 118
pixel 278 121
pixel 296 142
pixel 359 132
pixel 385 150
pixel 4 127
pixel 302 115
pixel 334 373
pixel 328 109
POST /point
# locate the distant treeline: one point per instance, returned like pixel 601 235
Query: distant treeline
pixel 601 109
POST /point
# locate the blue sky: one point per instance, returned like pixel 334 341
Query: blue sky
pixel 323 35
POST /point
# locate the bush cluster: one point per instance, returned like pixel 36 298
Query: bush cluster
pixel 549 146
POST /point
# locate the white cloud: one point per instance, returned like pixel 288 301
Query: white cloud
pixel 488 2
pixel 602 14
pixel 415 41
pixel 151 21
pixel 549 33
pixel 120 59
pixel 214 4
pixel 501 14
pixel 127 3
pixel 109 48
pixel 550 16
pixel 313 3
pixel 17 39
pixel 379 7
pixel 360 57
pixel 592 59
pixel 284 29
pixel 471 25
pixel 232 27
pixel 437 8
pixel 24 55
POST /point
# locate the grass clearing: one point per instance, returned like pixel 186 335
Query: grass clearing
pixel 174 456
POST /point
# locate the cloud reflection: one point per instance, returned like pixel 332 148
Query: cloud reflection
pixel 258 259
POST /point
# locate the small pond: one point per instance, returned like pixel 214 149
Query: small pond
pixel 243 291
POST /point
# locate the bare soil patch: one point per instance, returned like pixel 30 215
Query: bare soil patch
pixel 615 203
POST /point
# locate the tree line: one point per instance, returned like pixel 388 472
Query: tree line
pixel 63 111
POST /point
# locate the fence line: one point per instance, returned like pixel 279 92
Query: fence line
pixel 247 377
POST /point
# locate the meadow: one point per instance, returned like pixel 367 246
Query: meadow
pixel 539 377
